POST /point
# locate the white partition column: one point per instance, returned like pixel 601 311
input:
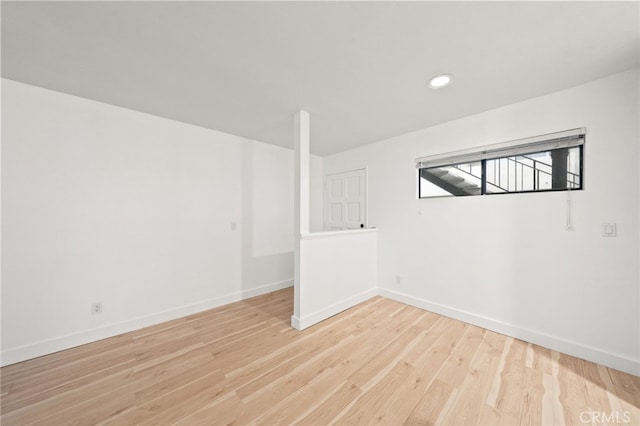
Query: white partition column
pixel 333 270
pixel 300 202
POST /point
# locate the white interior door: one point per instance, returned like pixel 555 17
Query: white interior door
pixel 345 201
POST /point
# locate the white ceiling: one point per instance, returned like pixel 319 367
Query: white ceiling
pixel 359 68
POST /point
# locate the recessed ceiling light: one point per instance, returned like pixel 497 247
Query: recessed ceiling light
pixel 440 81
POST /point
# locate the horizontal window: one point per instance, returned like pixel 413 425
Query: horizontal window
pixel 556 169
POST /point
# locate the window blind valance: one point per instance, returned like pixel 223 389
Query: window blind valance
pixel 565 139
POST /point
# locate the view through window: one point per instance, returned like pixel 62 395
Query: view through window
pixel 556 169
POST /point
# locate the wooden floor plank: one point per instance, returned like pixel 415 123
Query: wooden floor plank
pixel 381 362
pixel 182 401
pixel 223 411
pixel 531 408
pixel 470 397
pixel 511 392
pixel 288 410
pixel 28 392
pixel 363 411
pixel 322 412
pixel 431 404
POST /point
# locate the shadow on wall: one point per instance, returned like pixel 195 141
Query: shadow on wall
pixel 267 217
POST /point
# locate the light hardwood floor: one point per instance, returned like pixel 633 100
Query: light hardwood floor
pixel 380 362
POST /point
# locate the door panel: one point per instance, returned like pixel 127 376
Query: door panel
pixel 336 188
pixel 353 212
pixel 336 213
pixel 353 186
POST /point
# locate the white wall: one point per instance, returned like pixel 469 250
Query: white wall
pixel 507 262
pixel 101 203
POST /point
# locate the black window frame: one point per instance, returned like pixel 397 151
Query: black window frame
pixel 483 178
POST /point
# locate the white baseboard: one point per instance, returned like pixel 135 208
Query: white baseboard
pixel 45 347
pixel 268 288
pixel 22 353
pixel 559 344
pixel 295 322
pixel 316 317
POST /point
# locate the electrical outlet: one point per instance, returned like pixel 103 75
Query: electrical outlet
pixel 96 308
pixel 398 280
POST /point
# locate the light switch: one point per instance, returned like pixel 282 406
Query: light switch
pixel 609 230
pixel 234 226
